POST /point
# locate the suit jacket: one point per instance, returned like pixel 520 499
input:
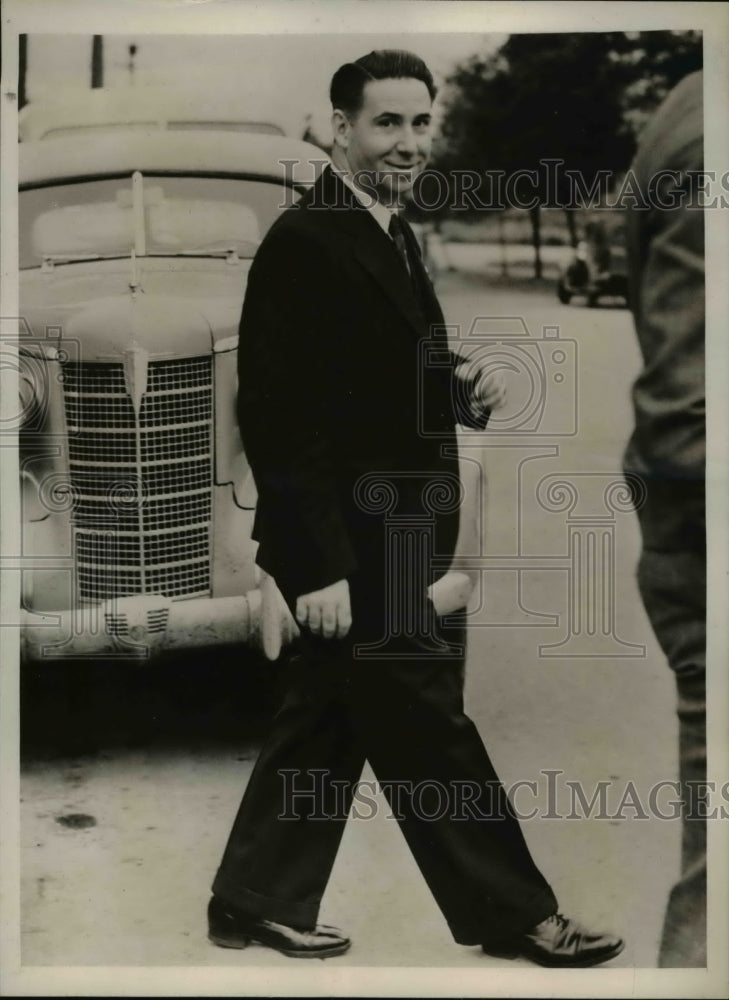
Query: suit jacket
pixel 346 399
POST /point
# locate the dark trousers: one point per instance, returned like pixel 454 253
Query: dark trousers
pixel 405 716
pixel 672 579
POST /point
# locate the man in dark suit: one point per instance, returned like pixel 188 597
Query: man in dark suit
pixel 348 401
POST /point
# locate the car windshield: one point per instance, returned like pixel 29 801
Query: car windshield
pixel 181 216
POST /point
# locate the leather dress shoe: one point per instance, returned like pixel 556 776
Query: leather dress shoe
pixel 229 927
pixel 561 944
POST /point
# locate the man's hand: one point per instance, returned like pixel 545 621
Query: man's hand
pixel 490 389
pixel 488 385
pixel 326 612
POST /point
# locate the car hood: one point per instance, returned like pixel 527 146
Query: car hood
pixel 174 306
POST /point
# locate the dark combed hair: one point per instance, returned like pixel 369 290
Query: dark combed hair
pixel 349 81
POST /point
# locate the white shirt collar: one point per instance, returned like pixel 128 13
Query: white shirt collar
pixel 381 213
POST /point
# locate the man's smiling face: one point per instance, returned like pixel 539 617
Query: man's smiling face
pixel 390 136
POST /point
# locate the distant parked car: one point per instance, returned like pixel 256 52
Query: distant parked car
pixel 595 271
pixel 574 281
pixel 137 500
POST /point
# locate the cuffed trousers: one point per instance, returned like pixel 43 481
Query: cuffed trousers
pixel 405 716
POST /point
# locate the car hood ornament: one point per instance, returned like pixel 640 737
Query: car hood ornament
pixel 136 366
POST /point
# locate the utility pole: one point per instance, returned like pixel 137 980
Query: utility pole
pixel 22 71
pixel 130 64
pixel 97 61
pixel 502 244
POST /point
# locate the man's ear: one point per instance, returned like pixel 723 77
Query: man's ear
pixel 340 128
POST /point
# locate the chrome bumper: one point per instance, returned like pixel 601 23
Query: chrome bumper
pixel 142 627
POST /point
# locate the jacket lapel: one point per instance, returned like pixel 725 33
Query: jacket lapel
pixel 373 249
pixel 383 264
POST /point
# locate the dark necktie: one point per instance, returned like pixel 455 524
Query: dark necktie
pixel 407 246
pixel 397 234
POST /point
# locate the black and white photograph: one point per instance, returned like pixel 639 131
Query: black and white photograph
pixel 364 470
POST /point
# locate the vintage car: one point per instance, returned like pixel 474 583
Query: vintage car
pixel 137 500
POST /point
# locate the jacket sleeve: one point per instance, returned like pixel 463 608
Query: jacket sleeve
pixel 286 325
pixel 666 258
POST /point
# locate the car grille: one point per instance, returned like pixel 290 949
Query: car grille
pixel 142 482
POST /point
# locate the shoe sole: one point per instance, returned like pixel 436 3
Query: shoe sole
pixel 501 952
pixel 586 963
pixel 243 942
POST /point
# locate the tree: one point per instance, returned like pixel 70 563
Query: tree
pixel 569 100
pixel 540 98
pixel 653 62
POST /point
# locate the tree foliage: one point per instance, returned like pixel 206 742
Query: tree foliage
pixel 652 63
pixel 578 98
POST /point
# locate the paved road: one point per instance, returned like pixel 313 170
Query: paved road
pixel 156 761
